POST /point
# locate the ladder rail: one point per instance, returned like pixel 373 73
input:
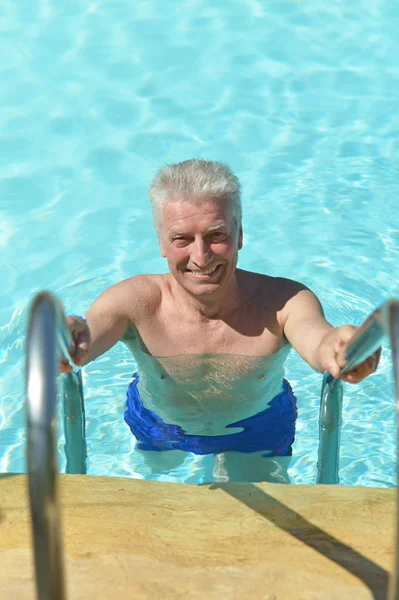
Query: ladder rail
pixel 48 340
pixel 384 321
pixel 365 342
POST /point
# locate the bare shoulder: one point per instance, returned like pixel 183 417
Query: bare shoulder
pixel 287 289
pixel 132 297
pixel 142 286
pixel 295 298
pixel 282 295
pixel 272 289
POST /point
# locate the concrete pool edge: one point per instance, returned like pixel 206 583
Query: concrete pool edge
pixel 130 537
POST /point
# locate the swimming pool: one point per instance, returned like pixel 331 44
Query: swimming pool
pixel 301 101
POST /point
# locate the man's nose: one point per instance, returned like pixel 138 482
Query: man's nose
pixel 200 253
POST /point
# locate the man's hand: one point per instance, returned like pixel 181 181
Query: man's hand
pixel 331 357
pixel 80 343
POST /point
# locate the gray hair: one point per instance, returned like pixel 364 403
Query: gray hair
pixel 193 180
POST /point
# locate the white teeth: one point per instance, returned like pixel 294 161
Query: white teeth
pixel 205 271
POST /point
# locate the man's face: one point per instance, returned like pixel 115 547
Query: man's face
pixel 201 244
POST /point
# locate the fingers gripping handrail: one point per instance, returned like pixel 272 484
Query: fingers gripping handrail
pixel 367 339
pixel 48 340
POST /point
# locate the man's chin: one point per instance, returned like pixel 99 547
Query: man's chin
pixel 202 289
pixel 199 288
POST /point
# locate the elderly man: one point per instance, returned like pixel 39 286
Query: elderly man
pixel 209 339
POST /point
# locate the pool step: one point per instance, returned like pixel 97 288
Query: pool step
pixel 126 538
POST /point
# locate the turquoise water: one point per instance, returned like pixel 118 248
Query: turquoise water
pixel 299 98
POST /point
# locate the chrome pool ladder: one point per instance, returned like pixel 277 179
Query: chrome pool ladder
pixel 48 340
pixel 384 321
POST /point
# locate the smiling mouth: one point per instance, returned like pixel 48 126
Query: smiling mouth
pixel 205 272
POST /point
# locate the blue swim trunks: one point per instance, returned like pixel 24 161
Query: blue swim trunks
pixel 271 430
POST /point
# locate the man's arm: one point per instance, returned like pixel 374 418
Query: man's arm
pixel 107 319
pixel 305 325
pixel 316 341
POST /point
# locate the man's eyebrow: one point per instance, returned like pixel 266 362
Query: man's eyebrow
pixel 214 227
pixel 175 232
pixel 211 228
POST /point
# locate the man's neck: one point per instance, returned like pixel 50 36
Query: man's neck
pixel 209 306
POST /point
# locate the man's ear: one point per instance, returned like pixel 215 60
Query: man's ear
pixel 161 247
pixel 240 238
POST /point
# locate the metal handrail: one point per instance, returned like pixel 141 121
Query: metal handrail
pixel 365 342
pixel 367 339
pixel 48 340
pixel 74 422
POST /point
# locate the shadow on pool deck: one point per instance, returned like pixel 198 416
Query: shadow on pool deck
pixel 375 577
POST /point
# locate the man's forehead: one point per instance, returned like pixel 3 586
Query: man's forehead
pixel 209 214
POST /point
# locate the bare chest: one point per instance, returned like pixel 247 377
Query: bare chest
pixel 173 335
